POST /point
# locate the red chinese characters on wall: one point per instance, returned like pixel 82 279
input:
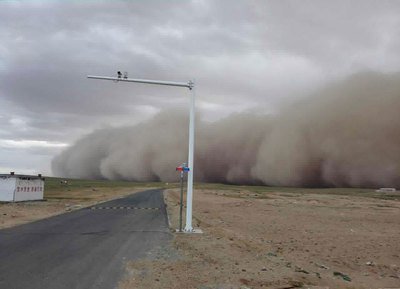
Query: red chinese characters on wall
pixel 29 189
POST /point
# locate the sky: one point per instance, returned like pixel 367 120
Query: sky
pixel 243 56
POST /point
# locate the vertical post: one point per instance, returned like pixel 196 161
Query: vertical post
pixel 189 197
pixel 181 202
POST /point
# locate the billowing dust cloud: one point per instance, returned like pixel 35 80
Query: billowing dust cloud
pixel 347 134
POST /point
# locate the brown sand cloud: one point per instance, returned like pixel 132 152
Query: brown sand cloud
pixel 347 134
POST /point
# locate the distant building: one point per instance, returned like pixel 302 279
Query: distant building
pixel 15 188
pixel 386 190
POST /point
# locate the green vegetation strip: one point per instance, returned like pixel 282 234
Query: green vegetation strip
pixel 57 188
pixel 293 191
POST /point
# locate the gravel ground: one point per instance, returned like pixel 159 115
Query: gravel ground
pixel 277 240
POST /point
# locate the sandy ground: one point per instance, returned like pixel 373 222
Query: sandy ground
pixel 277 240
pixel 12 214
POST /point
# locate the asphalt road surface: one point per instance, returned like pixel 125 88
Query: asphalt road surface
pixel 84 249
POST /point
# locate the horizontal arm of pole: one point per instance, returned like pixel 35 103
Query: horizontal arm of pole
pixel 146 81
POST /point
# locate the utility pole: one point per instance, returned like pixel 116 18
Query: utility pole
pixel 191 87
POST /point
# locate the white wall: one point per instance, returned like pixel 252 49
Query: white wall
pixel 7 187
pixel 27 190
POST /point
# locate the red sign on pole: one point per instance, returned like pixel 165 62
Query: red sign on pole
pixel 182 169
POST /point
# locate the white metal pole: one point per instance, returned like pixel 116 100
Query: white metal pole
pixel 190 85
pixel 145 81
pixel 189 197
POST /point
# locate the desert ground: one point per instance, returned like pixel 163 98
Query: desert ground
pixel 285 238
pixel 253 237
pixel 60 197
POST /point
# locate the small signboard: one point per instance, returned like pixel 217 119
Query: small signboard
pixel 182 169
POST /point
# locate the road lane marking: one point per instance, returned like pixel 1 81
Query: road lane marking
pixel 121 208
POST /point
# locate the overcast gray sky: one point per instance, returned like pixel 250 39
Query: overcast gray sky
pixel 244 55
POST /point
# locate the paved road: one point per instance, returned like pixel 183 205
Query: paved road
pixel 85 248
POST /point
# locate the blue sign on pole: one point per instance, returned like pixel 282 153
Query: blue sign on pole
pixel 182 169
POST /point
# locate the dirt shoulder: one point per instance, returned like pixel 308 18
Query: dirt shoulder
pixel 277 240
pixel 12 214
